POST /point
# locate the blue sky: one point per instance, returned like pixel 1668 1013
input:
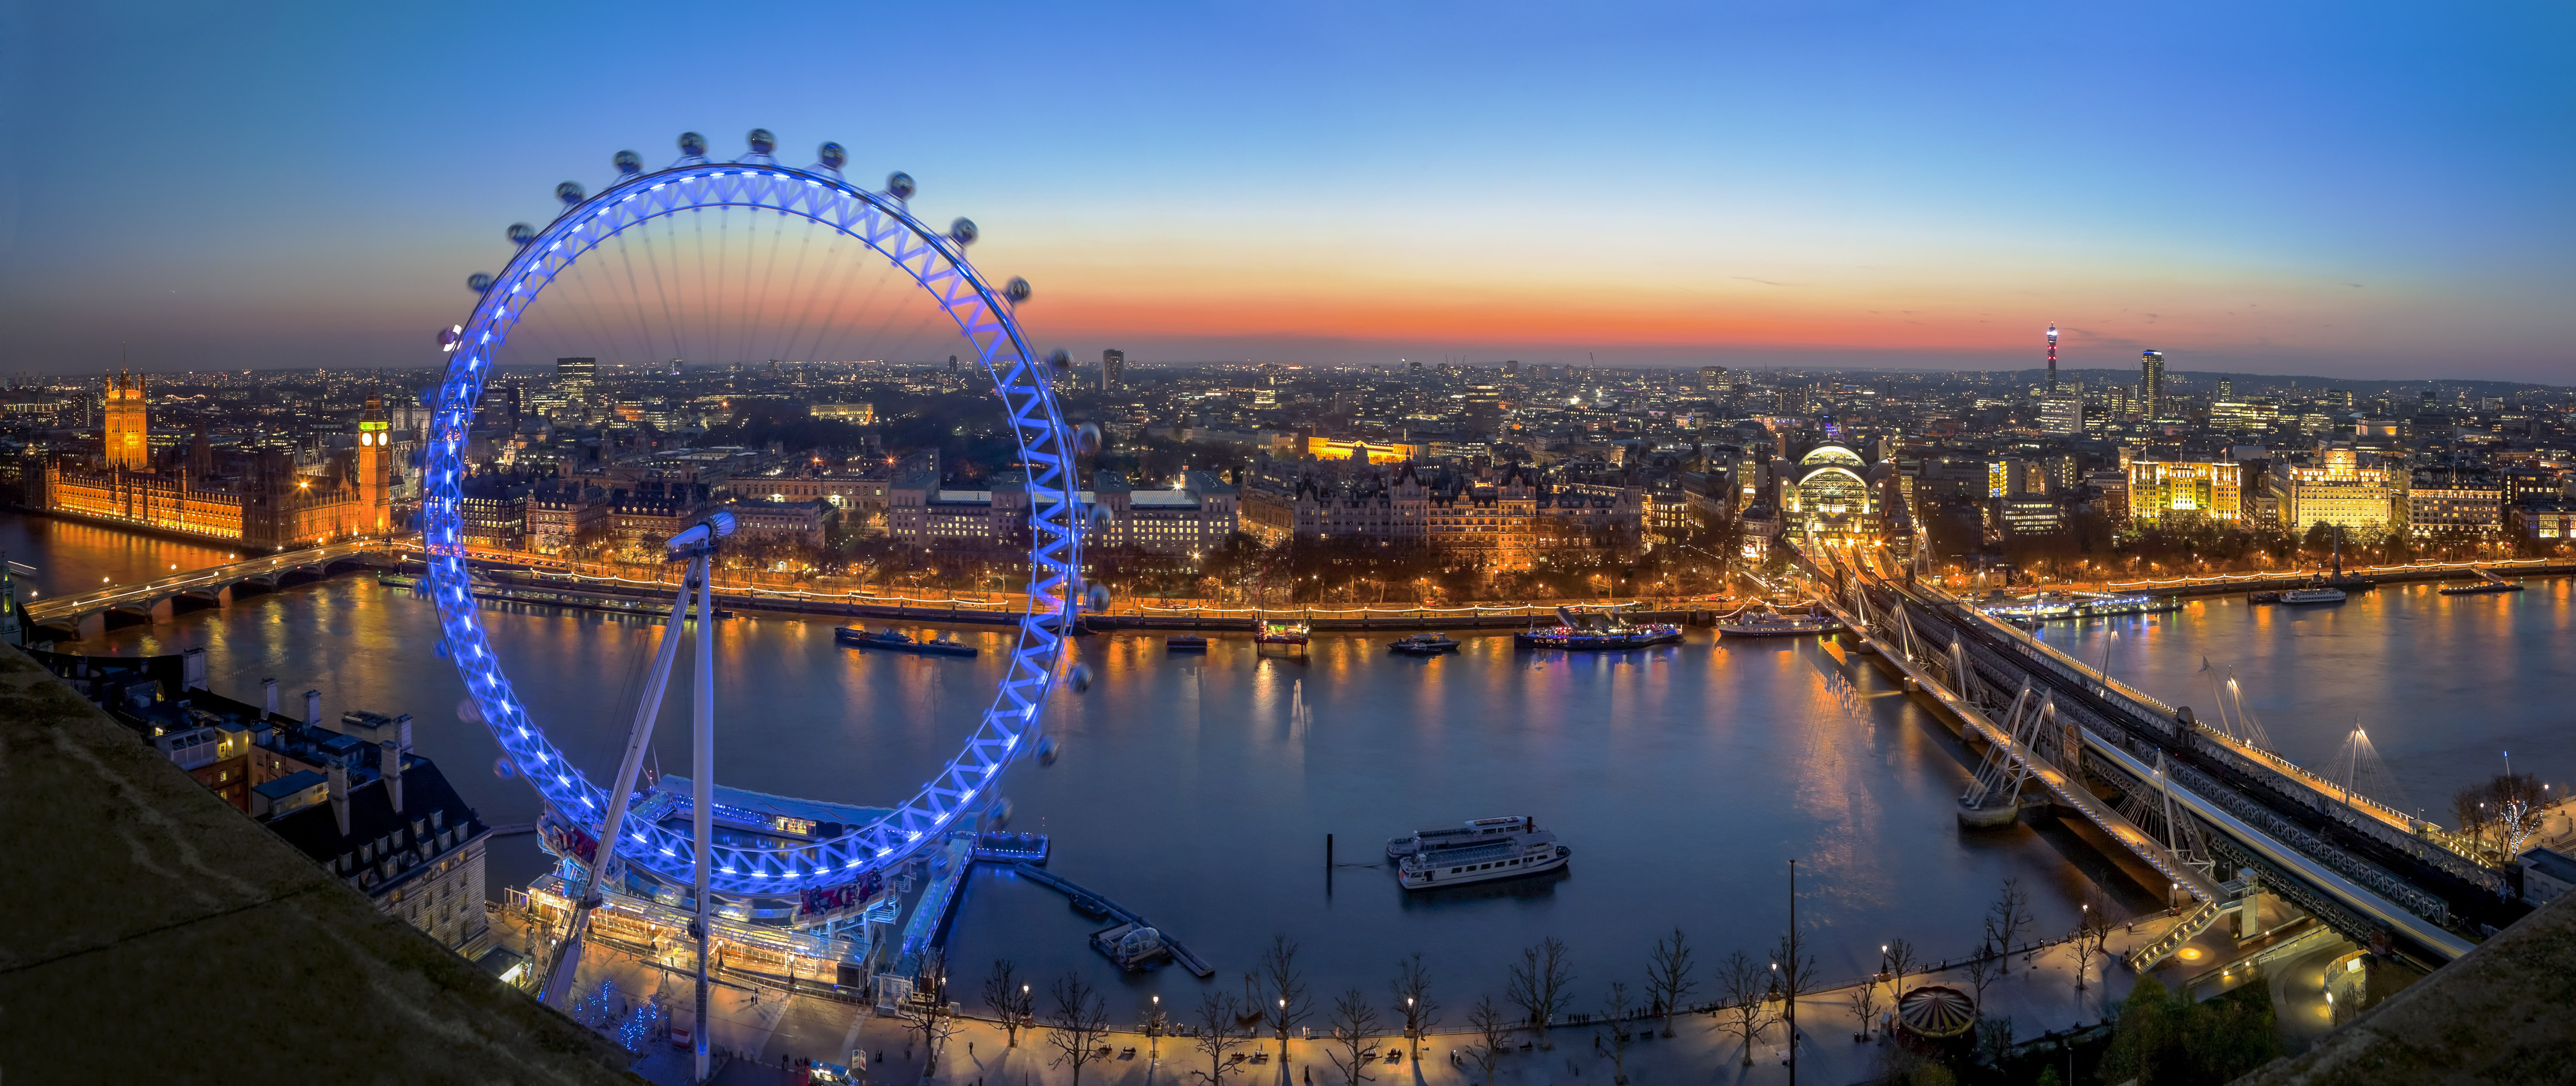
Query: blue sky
pixel 2370 191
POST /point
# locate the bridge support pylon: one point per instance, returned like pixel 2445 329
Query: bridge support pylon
pixel 91 626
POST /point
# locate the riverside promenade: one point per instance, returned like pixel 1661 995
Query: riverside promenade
pixel 764 1034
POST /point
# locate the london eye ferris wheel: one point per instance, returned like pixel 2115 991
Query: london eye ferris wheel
pixel 934 263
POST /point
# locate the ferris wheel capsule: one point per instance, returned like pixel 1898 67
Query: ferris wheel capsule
pixel 1086 438
pixel 762 142
pixel 693 145
pixel 502 768
pixel 628 163
pixel 1061 359
pixel 833 156
pixel 522 233
pixel 1017 290
pixel 962 231
pixel 1048 751
pixel 569 192
pixel 447 337
pixel 1100 518
pixel 1097 598
pixel 479 282
pixel 899 185
pixel 1080 680
pixel 999 814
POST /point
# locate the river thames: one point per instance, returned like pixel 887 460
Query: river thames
pixel 1198 790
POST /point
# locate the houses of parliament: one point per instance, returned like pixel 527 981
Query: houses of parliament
pixel 256 500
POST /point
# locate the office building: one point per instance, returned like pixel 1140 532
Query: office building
pixel 2061 413
pixel 579 373
pixel 2151 384
pixel 1113 369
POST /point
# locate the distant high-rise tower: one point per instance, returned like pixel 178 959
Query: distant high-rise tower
pixel 375 462
pixel 1113 369
pixel 2052 358
pixel 127 445
pixel 2151 383
pixel 576 373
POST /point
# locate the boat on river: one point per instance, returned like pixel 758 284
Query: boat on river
pixel 1424 644
pixel 2486 583
pixel 1482 859
pixel 1777 625
pixel 890 638
pixel 1185 643
pixel 2313 594
pixel 1597 629
pixel 1398 848
pixel 1282 631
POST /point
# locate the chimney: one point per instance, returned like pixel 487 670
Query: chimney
pixel 270 687
pixel 312 708
pixel 389 762
pixel 340 796
pixel 402 728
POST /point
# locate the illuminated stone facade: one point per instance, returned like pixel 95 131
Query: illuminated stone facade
pixel 1832 502
pixel 2340 489
pixel 2162 491
pixel 269 505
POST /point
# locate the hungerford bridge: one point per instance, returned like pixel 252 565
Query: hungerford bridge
pixel 2222 818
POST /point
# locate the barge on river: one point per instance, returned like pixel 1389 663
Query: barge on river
pixel 1597 629
pixel 890 638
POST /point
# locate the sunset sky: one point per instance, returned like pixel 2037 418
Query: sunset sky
pixel 2341 190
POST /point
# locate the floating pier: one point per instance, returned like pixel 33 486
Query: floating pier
pixel 1081 896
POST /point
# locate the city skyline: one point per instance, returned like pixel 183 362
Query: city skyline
pixel 2364 199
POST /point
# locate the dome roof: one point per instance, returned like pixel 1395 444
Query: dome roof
pixel 1831 455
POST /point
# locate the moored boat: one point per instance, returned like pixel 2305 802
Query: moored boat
pixel 1281 631
pixel 1185 643
pixel 1596 629
pixel 2313 594
pixel 1398 848
pixel 1482 859
pixel 2487 582
pixel 1776 625
pixel 889 638
pixel 1424 644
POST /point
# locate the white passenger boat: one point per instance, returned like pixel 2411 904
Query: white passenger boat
pixel 2313 595
pixel 1398 848
pixel 1482 859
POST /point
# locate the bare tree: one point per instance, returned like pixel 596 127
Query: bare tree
pixel 1354 1023
pixel 2007 919
pixel 1617 1009
pixel 1982 971
pixel 1745 984
pixel 1287 1003
pixel 1542 983
pixel 1668 976
pixel 1864 1007
pixel 2092 930
pixel 1009 998
pixel 926 1012
pixel 1220 1033
pixel 1793 974
pixel 1493 1032
pixel 1076 1023
pixel 1901 960
pixel 1413 1000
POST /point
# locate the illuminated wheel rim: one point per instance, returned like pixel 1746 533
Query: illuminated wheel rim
pixel 938 264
